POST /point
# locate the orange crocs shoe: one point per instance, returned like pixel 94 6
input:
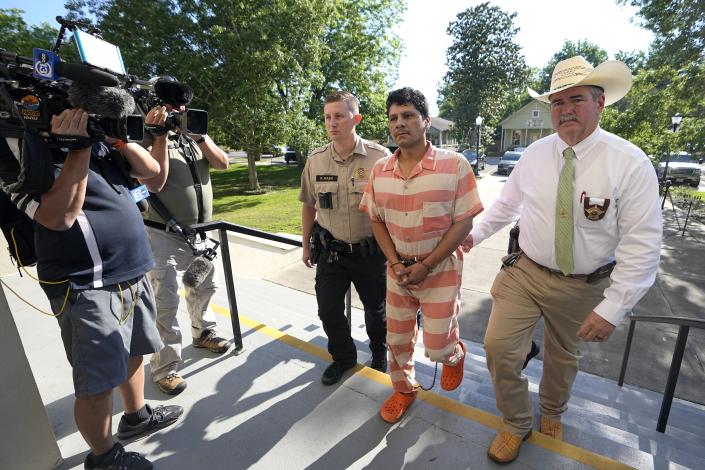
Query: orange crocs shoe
pixel 453 375
pixel 395 406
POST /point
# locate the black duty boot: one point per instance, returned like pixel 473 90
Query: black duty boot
pixel 379 361
pixel 334 372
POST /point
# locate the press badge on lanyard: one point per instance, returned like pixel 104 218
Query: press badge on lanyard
pixel 139 193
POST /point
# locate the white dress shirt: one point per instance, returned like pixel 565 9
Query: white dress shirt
pixel 607 167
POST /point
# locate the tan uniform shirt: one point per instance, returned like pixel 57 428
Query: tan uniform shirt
pixel 326 172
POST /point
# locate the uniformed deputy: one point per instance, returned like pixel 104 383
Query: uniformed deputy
pixel 337 237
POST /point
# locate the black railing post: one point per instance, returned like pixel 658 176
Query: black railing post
pixel 625 357
pixel 230 286
pixel 672 378
pixel 687 216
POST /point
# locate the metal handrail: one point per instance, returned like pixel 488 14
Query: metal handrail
pixel 684 325
pixel 223 228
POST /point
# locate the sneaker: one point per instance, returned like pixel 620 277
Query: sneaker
pixel 118 458
pixel 379 361
pixel 212 342
pixel 172 384
pixel 160 417
pixel 334 372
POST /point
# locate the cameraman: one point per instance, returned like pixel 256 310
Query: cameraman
pixel 184 187
pixel 92 255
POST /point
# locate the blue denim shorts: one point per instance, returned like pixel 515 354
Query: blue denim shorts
pixel 102 328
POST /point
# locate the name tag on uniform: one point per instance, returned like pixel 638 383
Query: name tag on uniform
pixel 326 178
pixel 139 193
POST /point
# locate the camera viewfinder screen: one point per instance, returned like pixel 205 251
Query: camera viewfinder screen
pixel 99 53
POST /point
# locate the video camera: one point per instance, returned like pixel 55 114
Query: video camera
pixel 166 90
pixel 34 89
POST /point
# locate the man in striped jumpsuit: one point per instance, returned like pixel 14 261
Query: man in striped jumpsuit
pixel 422 201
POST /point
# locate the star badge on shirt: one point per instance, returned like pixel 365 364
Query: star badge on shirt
pixel 595 208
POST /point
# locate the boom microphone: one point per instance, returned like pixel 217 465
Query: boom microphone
pixel 85 74
pixel 111 102
pixel 197 272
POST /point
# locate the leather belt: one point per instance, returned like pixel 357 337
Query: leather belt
pixel 596 275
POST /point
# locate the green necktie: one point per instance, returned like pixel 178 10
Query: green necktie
pixel 564 214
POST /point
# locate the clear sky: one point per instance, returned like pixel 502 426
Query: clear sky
pixel 544 26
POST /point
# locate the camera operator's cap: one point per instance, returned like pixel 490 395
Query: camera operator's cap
pixel 169 90
pixel 613 76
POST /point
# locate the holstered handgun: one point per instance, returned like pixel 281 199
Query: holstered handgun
pixel 513 246
pixel 316 243
pixel 600 273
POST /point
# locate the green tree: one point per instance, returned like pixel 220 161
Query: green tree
pixel 485 67
pixel 251 64
pixel 361 55
pixel 667 82
pixel 635 60
pixel 259 67
pixel 18 37
pixel 678 26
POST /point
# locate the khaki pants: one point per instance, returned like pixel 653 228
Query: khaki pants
pixel 522 293
pixel 172 257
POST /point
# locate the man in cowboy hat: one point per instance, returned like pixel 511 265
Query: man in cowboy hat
pixel 590 240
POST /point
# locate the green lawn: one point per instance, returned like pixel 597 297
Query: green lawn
pixel 275 209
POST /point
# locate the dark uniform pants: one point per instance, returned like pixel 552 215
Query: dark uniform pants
pixel 332 282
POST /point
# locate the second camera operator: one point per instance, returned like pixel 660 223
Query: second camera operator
pixel 183 186
pixel 92 255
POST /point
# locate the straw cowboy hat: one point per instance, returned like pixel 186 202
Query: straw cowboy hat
pixel 612 76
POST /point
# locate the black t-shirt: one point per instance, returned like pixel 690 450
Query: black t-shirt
pixel 108 242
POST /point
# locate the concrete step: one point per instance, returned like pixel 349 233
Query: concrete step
pixel 602 417
pixel 602 396
pixel 609 430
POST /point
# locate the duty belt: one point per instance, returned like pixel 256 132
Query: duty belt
pixel 340 246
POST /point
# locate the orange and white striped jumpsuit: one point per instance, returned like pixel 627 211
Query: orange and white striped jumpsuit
pixel 417 211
